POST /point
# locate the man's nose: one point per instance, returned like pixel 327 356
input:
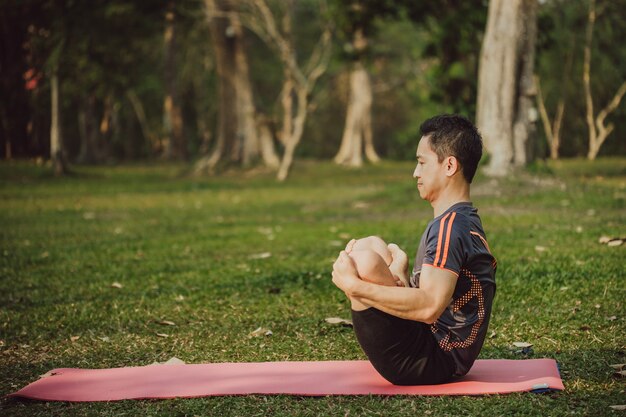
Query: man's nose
pixel 416 171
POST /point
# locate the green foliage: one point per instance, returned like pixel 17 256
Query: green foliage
pixel 422 55
pixel 181 249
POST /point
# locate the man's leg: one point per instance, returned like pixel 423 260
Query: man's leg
pixel 375 244
pixel 404 352
pixel 371 267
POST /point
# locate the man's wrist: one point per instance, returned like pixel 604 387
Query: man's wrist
pixel 356 288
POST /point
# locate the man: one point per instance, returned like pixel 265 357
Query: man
pixel 433 329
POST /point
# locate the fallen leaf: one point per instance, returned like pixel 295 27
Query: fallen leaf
pixel 585 328
pixel 261 332
pixel 615 242
pixel 493 334
pixel 612 318
pixel 74 338
pixel 360 205
pixel 167 323
pixel 540 248
pixel 263 255
pixel 1 343
pixel 116 285
pixel 344 235
pixel 104 338
pixel 618 366
pixel 89 215
pixel 45 254
pixel 564 288
pixel 118 231
pixel 180 298
pixel 522 344
pixel 265 230
pixel 604 239
pixel 335 243
pixel 597 306
pixel 618 407
pixel 337 320
pixel 163 335
pixel 174 361
pixel 579 229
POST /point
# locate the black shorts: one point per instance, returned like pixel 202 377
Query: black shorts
pixel 404 352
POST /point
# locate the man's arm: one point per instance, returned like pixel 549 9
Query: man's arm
pixel 423 304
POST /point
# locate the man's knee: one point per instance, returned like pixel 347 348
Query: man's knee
pixel 376 244
pixel 368 262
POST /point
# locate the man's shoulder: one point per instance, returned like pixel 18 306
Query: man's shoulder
pixel 456 221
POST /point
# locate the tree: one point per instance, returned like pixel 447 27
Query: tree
pixel 174 144
pixel 357 133
pixel 598 132
pixel 237 136
pixel 299 80
pixel 505 84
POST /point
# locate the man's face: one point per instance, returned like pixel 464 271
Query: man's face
pixel 429 172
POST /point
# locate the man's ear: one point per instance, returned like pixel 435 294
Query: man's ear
pixel 452 166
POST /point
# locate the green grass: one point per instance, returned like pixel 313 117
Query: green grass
pixel 181 247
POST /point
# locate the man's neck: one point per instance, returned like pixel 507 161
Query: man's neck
pixel 450 198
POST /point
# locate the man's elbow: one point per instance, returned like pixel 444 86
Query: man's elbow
pixel 426 316
pixel 431 315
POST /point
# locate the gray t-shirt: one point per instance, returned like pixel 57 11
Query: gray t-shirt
pixel 456 241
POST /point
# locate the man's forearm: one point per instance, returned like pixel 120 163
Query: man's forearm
pixel 408 303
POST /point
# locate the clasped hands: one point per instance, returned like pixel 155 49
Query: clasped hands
pixel 372 260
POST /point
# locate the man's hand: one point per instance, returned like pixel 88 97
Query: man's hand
pixel 399 266
pixel 345 275
pixel 349 246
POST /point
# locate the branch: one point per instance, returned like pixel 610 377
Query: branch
pixel 612 105
pixel 543 112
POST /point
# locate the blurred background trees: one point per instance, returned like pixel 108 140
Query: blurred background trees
pixel 220 83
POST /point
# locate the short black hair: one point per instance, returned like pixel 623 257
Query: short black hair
pixel 454 135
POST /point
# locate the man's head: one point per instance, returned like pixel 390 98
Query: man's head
pixel 454 135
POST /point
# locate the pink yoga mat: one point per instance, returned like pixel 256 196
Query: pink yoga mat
pixel 294 378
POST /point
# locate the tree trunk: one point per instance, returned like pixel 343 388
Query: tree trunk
pixel 266 141
pixel 357 133
pixel 552 130
pixel 292 142
pixel 222 39
pixel 524 124
pixel 88 153
pixel 358 127
pixel 246 112
pixel 148 134
pixel 56 144
pixel 237 136
pixel 174 143
pixel 505 86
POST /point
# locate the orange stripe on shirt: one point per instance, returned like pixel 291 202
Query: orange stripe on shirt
pixel 440 238
pixel 483 239
pixel 445 250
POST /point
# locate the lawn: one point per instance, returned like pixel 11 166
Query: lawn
pixel 94 266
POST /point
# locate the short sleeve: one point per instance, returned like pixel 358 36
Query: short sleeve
pixel 446 243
